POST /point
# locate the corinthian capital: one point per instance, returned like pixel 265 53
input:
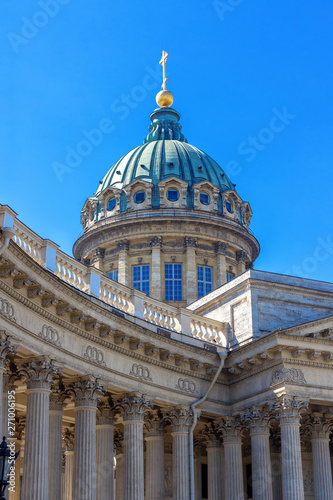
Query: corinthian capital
pixel 86 390
pixel 154 423
pixel 211 435
pixel 190 242
pixel 39 372
pixel 7 347
pixel 231 429
pixel 319 425
pixel 289 408
pixel 133 407
pixel 105 413
pixel 156 241
pixel 258 419
pixel 181 418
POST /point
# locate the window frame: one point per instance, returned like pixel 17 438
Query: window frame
pixel 173 286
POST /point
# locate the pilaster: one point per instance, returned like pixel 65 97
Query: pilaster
pixel 220 250
pixel 123 247
pixel 191 274
pixel 156 286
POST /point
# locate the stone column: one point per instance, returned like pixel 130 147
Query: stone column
pixel 123 247
pixel 69 459
pixel 320 428
pixel 7 348
pixel 276 463
pixel 197 468
pixel 38 373
pixel 220 250
pixel 232 439
pixel 20 426
pixel 289 410
pixel 258 421
pixel 133 409
pixel 104 454
pixel 120 477
pixel 191 269
pixel 214 459
pixel 156 286
pixel 155 488
pixel 85 392
pixel 240 257
pixel 98 258
pixel 181 419
pixel 55 442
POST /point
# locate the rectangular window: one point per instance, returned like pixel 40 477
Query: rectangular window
pixel 173 282
pixel 140 278
pixel 205 280
pixel 113 275
pixel 230 276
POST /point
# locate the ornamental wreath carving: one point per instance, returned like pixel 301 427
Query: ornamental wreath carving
pixel 140 371
pixel 186 385
pixel 7 310
pixel 50 334
pixel 291 375
pixel 95 355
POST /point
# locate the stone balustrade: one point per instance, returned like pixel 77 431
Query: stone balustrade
pixel 94 282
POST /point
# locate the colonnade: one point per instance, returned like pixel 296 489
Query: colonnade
pixel 89 455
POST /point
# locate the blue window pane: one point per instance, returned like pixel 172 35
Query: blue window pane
pixel 205 280
pixel 111 203
pixel 140 278
pixel 204 198
pixel 230 276
pixel 172 195
pixel 139 196
pixel 173 282
pixel 113 275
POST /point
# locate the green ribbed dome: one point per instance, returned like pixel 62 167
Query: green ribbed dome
pixel 165 153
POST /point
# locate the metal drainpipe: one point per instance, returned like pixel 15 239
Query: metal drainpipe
pixel 8 233
pixel 223 356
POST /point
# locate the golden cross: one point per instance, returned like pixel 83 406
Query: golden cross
pixel 165 56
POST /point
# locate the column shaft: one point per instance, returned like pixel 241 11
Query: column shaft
pixel 123 268
pixel 133 460
pixel 181 466
pixel 322 469
pixel 84 467
pixel 261 466
pixel 156 273
pixel 55 451
pixel 104 462
pixel 155 489
pixel 215 482
pixel 234 488
pixel 68 488
pixel 276 476
pixel 120 477
pixel 292 475
pixel 221 269
pixel 192 287
pixel 35 477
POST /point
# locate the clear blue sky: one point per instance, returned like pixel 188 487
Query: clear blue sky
pixel 234 65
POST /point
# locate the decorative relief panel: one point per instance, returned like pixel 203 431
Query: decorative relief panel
pixel 186 385
pixel 95 355
pixel 291 375
pixel 7 310
pixel 50 334
pixel 140 371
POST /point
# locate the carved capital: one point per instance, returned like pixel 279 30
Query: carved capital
pixel 231 429
pixel 85 391
pixel 100 253
pixel 289 408
pixel 190 242
pixel 211 436
pixel 68 438
pixel 133 407
pixel 57 397
pixel 123 246
pixel 156 241
pixel 181 418
pixel 39 372
pixel 105 413
pixel 258 419
pixel 319 425
pixel 220 248
pixel 7 347
pixel 240 256
pixel 154 424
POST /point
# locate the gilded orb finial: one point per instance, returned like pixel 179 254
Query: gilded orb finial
pixel 164 98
